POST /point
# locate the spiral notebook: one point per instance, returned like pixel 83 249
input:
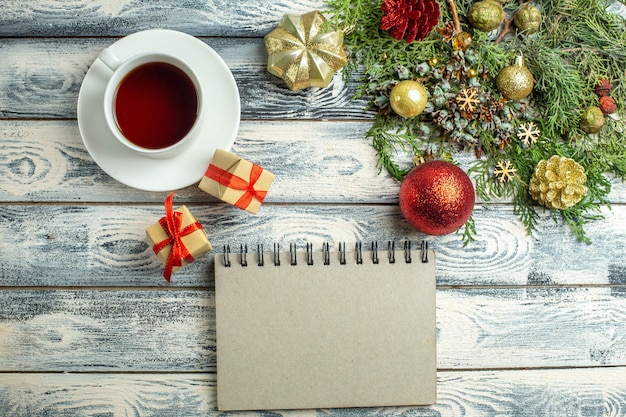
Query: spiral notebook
pixel 325 328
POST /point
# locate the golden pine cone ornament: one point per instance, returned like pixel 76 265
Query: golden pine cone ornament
pixel 558 183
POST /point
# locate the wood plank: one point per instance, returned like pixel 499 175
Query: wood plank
pixel 530 393
pixel 41 78
pixel 107 330
pixel 49 245
pixel 314 161
pixel 120 17
pixel 141 350
pixel 166 330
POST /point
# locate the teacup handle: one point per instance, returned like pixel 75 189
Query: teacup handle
pixel 109 59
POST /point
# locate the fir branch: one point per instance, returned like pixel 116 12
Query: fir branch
pixel 579 43
pixel 524 208
pixel 387 144
pixel 469 231
pixel 490 55
pixel 578 216
pixel 558 85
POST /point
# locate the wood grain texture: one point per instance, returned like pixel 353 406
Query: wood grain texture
pixel 592 392
pixel 42 77
pixel 156 330
pixel 528 325
pixel 105 245
pixel 107 330
pixel 47 161
pixel 120 17
pixel 314 162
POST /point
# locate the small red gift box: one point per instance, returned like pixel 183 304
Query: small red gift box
pixel 236 181
pixel 178 238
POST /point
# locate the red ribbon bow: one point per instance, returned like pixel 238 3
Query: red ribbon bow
pixel 171 223
pixel 237 183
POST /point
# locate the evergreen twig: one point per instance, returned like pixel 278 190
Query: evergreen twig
pixel 579 43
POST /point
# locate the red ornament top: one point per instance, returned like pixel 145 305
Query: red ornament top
pixel 409 19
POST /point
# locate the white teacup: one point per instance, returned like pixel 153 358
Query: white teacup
pixel 152 102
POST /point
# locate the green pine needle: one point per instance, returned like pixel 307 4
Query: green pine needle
pixel 579 42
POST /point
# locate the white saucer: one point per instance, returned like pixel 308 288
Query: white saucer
pixel 217 130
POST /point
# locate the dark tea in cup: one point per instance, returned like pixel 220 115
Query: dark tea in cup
pixel 155 105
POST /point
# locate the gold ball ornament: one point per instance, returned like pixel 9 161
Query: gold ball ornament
pixel 558 183
pixel 408 98
pixel 591 119
pixel 486 15
pixel 515 82
pixel 433 61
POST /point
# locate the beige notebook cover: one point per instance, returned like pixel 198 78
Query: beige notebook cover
pixel 321 336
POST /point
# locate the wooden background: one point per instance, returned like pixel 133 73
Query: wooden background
pixel 528 325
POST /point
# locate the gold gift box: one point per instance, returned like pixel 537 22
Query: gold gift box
pixel 303 53
pixel 197 242
pixel 236 181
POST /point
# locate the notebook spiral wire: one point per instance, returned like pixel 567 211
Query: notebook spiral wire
pixel 358 249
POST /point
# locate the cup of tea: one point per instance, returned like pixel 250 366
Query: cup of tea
pixel 152 102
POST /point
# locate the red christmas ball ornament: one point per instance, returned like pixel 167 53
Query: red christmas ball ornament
pixel 437 197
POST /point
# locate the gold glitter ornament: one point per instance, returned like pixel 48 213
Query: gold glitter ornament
pixel 408 98
pixel 302 54
pixel 527 19
pixel 558 183
pixel 591 119
pixel 486 15
pixel 515 82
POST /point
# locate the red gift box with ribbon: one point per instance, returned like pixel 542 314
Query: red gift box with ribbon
pixel 236 181
pixel 177 238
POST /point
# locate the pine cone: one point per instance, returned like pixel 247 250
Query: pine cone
pixel 558 183
pixel 409 19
